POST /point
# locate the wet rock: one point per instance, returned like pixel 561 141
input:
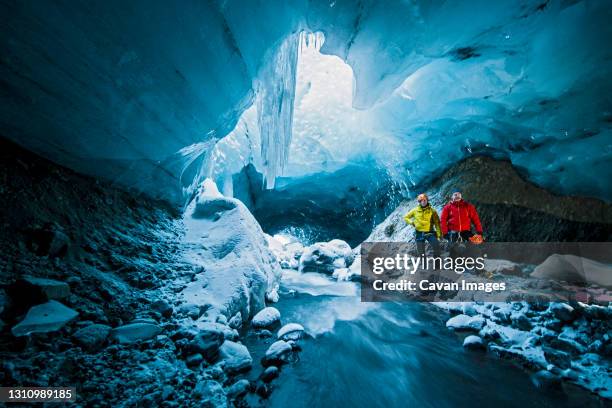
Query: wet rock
pixel 133 332
pixel 238 389
pixel 465 322
pixel 562 311
pixel 194 360
pixel 236 321
pixel 474 343
pixel 92 337
pixel 546 380
pixel 48 317
pixel 163 308
pixel 277 354
pixel 270 374
pixel 291 331
pixel 266 318
pixel 207 343
pixel 558 358
pixel 236 357
pixel 210 393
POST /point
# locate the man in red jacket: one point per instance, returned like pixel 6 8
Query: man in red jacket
pixel 457 218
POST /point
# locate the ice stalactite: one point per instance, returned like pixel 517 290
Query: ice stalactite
pixel 275 96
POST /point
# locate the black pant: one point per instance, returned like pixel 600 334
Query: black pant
pixel 430 237
pixel 453 236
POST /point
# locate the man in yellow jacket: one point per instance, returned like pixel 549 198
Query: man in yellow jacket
pixel 426 222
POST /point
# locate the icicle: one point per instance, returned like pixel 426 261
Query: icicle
pixel 275 96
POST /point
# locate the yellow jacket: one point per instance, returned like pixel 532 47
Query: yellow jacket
pixel 421 218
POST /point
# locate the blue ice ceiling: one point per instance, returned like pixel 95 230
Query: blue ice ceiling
pixel 141 92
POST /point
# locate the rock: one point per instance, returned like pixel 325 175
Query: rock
pixel 558 358
pixel 210 393
pixel 92 337
pixel 474 343
pixel 325 257
pixel 236 321
pixel 520 321
pixel 163 308
pixel 266 318
pixel 238 389
pixel 562 311
pixel 272 296
pixel 133 332
pixel 190 309
pixel 269 374
pixel 194 360
pixel 48 317
pixel 465 322
pixel 574 269
pixel 236 356
pixel 567 345
pixel 546 380
pixel 40 289
pixel 207 343
pixel 49 240
pixel 277 353
pixel 291 331
pixel 502 266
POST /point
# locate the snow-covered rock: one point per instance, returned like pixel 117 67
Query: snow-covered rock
pixel 291 331
pixel 277 353
pixel 465 322
pixel 236 357
pixel 474 343
pixel 48 317
pixel 325 257
pixel 266 317
pixel 133 332
pixel 238 270
pixel 210 393
pixel 207 343
pixel 562 311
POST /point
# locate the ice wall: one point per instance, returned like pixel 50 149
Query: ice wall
pixel 139 92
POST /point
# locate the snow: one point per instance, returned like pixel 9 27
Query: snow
pixel 238 271
pixel 465 322
pixel 290 331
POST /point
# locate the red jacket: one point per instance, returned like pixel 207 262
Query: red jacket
pixel 459 216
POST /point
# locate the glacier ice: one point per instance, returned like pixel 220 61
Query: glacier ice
pixel 153 96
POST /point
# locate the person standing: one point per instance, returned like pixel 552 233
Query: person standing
pixel 457 219
pixel 424 218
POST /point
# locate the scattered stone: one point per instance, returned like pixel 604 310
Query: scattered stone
pixel 92 337
pixel 291 331
pixel 474 343
pixel 133 332
pixel 238 389
pixel 210 393
pixel 269 374
pixel 265 318
pixel 236 356
pixel 48 317
pixel 465 322
pixel 163 307
pixel 207 343
pixel 277 354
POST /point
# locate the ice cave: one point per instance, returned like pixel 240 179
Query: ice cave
pixel 193 194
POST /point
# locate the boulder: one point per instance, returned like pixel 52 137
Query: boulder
pixel 92 337
pixel 238 389
pixel 277 354
pixel 210 393
pixel 133 332
pixel 163 307
pixel 40 289
pixel 474 343
pixel 574 269
pixel 291 331
pixel 267 317
pixel 325 257
pixel 48 317
pixel 207 343
pixel 236 357
pixel 269 374
pixel 465 322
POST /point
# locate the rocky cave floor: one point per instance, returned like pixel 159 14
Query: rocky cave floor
pixel 118 262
